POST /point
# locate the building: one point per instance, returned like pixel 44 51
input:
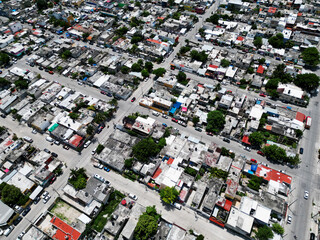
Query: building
pixel 240 222
pixel 292 94
pixel 5 213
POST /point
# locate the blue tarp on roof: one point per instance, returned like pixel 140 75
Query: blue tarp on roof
pixel 177 105
pixel 250 172
pixel 85 79
pixel 172 110
pixel 254 167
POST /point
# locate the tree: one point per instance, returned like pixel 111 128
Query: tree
pixel 78 178
pixel 257 42
pixel 73 115
pixel 148 66
pixel 159 72
pixel 125 69
pixel 4 59
pixel 255 182
pixel 66 54
pixel 264 233
pixel 280 73
pixel 99 118
pixel 273 83
pixel 181 77
pixel 4 83
pixel 128 163
pixel 256 139
pixel 311 56
pixel 145 149
pixel 91 61
pixel 307 81
pixel 275 153
pixel 136 67
pixel 145 73
pixel 294 160
pixel 225 63
pixel 90 130
pixel 277 41
pixel 85 36
pixel 262 61
pixel 213 19
pixel 21 83
pixel 12 195
pixel 42 5
pixel 195 120
pixel 215 121
pixel 147 225
pixel 184 49
pixel 169 194
pixel 276 227
pixel 299 133
pixel 199 56
pixel 200 237
pixel 99 149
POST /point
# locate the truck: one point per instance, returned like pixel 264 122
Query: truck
pixel 308 122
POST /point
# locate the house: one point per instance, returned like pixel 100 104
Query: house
pixel 292 94
pixel 240 222
pixel 5 213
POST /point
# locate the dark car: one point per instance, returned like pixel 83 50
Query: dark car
pixel 66 147
pixel 46 150
pixel 53 179
pixel 133 99
pixel 226 140
pixel 198 129
pixel 17 220
pixel 36 200
pixel 40 68
pixel 54 154
pixel 312 236
pixel 210 133
pixel 25 212
pixel 301 151
pixel 109 94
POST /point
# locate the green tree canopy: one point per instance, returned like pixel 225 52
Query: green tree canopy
pixel 264 233
pixel 159 72
pixel 307 81
pixel 225 63
pixel 147 225
pixel 280 73
pixel 213 19
pixel 21 83
pixel 181 76
pixel 4 83
pixel 4 59
pixel 11 195
pixel 257 42
pixel 256 139
pixel 145 149
pixel 125 69
pixel 277 41
pixel 169 194
pixel 311 56
pixel 148 66
pixel 273 83
pixel 276 227
pixel 145 73
pixel 42 4
pixel 275 153
pixel 136 67
pixel 215 121
pixel 199 56
pixel 78 178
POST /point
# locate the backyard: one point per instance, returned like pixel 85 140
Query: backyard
pixel 65 212
pixel 108 209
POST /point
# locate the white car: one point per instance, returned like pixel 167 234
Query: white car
pixel 46 199
pixel 306 194
pixel 45 194
pixel 289 220
pixel 87 144
pixel 247 149
pixel 21 235
pixel 97 176
pixel 132 196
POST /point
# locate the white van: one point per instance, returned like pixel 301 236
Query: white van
pixel 155 113
pixel 87 144
pixel 8 231
pixel 49 139
pixel 28 139
pixel 177 206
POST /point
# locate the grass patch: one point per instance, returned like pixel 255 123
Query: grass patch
pixel 63 217
pixel 108 209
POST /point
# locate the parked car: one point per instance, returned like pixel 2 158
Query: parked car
pixel 260 153
pixel 132 196
pixel 21 235
pixel 301 151
pixel 66 147
pixel 44 194
pixel 103 92
pixel 34 131
pixel 174 120
pixel 312 236
pixel 253 160
pixel 247 149
pixel 100 166
pixel 289 219
pixel 262 95
pixel 165 116
pixel 164 125
pixel 227 140
pixel 17 220
pixel 177 206
pixel 28 139
pixel 54 154
pixel 25 212
pixel 87 144
pixel 155 113
pixel 50 72
pixel 8 231
pixel 18 209
pixel 46 199
pixel 106 169
pixel 210 133
pixel 306 195
pixel 49 139
pixel 57 143
pixel 133 99
pixel 36 200
pixel 97 176
pixel 198 129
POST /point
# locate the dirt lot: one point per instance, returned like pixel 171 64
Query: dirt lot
pixel 65 212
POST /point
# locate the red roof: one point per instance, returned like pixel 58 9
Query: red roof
pixel 260 69
pixel 213 66
pixel 75 140
pixel 245 139
pixel 227 205
pixel 170 161
pixel 299 14
pixel 162 18
pixel 300 117
pixel 154 41
pixel 311 23
pixel 272 10
pixel 64 231
pixel 240 38
pixel 271 174
pixel 182 195
pixel 157 173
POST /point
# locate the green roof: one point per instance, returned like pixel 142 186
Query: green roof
pixel 53 127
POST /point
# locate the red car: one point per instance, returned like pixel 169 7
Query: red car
pixel 103 92
pixel 262 95
pixel 210 133
pixel 51 72
pixel 174 120
pixel 253 160
pixel 261 153
pixel 133 99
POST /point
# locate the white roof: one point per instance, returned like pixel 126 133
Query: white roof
pixel 101 81
pixel 238 219
pixel 84 218
pixel 256 112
